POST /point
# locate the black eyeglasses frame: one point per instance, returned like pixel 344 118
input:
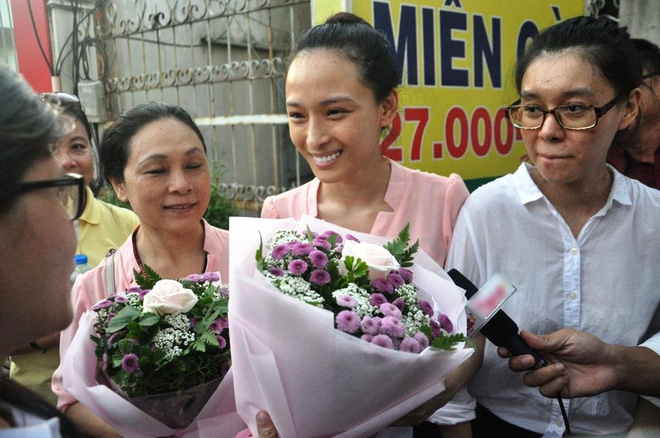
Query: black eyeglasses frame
pixel 71 179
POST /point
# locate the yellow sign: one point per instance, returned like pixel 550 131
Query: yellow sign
pixel 456 60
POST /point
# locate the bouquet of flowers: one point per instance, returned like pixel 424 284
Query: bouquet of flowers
pixel 163 347
pixel 321 369
pixel 366 286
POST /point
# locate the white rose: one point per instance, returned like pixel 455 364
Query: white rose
pixel 379 260
pixel 168 296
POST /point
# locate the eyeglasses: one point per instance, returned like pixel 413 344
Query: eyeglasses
pixel 70 192
pixel 575 116
pixel 650 75
pixel 60 98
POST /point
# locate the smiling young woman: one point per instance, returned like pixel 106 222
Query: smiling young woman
pixel 340 97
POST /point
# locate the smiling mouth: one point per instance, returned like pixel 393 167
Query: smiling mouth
pixel 180 207
pixel 326 158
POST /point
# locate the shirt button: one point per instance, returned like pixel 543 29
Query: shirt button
pixel 572 295
pixel 559 423
pixel 574 250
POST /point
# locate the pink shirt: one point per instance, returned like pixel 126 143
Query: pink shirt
pixel 429 202
pixel 90 289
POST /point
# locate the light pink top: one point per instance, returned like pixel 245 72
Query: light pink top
pixel 90 289
pixel 429 202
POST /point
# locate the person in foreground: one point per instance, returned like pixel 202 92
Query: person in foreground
pixel 579 240
pixel 100 228
pixel 340 96
pixel 155 158
pixel 38 203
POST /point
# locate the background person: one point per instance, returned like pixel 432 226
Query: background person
pixel 579 240
pixel 340 96
pixel 35 231
pixel 101 227
pixel 638 156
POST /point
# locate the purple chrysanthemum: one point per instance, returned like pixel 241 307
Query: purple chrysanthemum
pixel 224 322
pixel 223 291
pixel 435 328
pixel 222 342
pixel 280 251
pixel 297 267
pixel 353 238
pixel 210 277
pixel 410 345
pixel 102 305
pixel 318 258
pixel 405 274
pixel 104 362
pixel 113 337
pixel 328 234
pixel 130 363
pixel 278 272
pixel 390 309
pixel 302 248
pixel 446 323
pixel 395 280
pixel 382 285
pixel 399 303
pixel 426 307
pixel 392 326
pixel 377 299
pixel 215 327
pixel 367 337
pixel 193 322
pixel 120 299
pixel 422 340
pixel 321 243
pixel 346 301
pixel 370 325
pixel 142 293
pixel 348 321
pixel 319 277
pixel 194 277
pixel 383 341
pixel 134 289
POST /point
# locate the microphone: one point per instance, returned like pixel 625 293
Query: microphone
pixel 500 329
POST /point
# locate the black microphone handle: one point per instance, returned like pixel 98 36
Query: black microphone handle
pixel 517 347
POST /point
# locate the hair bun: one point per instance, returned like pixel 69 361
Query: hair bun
pixel 346 18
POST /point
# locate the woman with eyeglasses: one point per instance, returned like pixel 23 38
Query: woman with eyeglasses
pixel 579 240
pixel 38 202
pixel 102 227
pixel 154 156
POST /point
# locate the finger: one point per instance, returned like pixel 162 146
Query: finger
pixel 555 387
pixel 503 352
pixel 265 426
pixel 521 363
pixel 545 375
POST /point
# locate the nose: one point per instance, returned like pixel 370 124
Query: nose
pixel 64 159
pixel 179 183
pixel 317 135
pixel 551 129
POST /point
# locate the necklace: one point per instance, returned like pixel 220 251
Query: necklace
pixel 136 254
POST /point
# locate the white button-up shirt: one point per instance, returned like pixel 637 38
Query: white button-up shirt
pixel 605 282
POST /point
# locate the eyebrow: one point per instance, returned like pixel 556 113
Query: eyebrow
pixel 191 151
pixel 577 92
pixel 79 138
pixel 329 101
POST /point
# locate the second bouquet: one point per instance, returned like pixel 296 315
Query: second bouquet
pixel 337 333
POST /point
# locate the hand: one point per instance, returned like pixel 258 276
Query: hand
pixel 581 364
pixel 265 426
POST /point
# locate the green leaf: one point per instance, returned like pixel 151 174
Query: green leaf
pixel 448 342
pixel 123 317
pixel 260 254
pixel 309 234
pixel 148 319
pixel 125 345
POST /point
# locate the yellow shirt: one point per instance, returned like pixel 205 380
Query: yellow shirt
pixel 101 227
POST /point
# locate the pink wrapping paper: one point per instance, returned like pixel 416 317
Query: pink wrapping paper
pixel 313 380
pixel 218 418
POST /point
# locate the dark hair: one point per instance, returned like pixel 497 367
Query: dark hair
pixel 649 54
pixel 601 42
pixel 117 140
pixel 355 39
pixel 27 130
